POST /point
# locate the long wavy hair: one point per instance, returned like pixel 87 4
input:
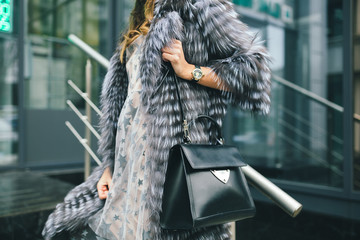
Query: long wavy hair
pixel 139 23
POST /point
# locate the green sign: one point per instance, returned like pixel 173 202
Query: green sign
pixel 244 3
pixel 273 8
pixel 6 12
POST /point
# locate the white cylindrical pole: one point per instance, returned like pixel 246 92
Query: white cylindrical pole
pixel 83 142
pixel 87 162
pixel 88 50
pixel 281 198
pixel 85 97
pixel 83 119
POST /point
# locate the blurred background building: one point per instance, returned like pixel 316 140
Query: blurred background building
pixel 309 145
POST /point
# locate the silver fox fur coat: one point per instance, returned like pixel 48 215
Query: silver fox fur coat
pixel 212 36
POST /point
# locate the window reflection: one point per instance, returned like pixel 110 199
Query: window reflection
pixel 51 59
pixel 8 101
pixel 302 138
pixel 9 73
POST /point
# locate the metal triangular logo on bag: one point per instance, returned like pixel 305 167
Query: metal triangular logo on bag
pixel 222 175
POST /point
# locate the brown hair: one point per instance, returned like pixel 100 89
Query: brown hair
pixel 139 23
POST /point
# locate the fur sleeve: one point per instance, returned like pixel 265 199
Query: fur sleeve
pixel 240 58
pixel 113 95
pixel 166 25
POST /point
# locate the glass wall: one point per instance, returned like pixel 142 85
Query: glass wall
pixel 302 139
pixel 9 72
pixel 50 60
pixel 356 41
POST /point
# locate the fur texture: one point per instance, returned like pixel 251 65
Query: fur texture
pixel 212 36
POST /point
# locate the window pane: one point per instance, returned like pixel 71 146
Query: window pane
pixel 302 138
pixel 9 72
pixel 8 101
pixel 51 60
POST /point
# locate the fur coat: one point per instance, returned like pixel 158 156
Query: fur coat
pixel 212 36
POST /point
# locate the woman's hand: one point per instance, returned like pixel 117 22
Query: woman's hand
pixel 104 184
pixel 174 54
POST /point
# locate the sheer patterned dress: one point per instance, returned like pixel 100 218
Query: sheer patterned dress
pixel 125 215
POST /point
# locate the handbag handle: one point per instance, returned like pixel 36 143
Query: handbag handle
pixel 186 136
pixel 219 137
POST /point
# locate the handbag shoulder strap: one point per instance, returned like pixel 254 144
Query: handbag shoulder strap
pixel 186 136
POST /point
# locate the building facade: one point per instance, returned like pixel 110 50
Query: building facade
pixel 309 144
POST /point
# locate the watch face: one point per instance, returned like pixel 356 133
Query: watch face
pixel 197 73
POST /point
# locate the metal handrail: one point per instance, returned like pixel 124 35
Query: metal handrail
pixel 313 96
pixel 86 142
pixel 83 142
pixel 84 119
pixel 85 97
pixel 309 94
pixel 88 50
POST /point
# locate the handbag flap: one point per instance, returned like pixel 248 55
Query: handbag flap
pixel 203 156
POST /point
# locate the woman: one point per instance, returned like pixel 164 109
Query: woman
pixel 217 62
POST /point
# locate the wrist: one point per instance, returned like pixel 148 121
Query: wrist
pixel 187 72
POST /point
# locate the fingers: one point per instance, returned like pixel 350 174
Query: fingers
pixel 104 184
pixel 173 48
pixel 103 195
pixel 103 191
pixel 167 57
pixel 173 52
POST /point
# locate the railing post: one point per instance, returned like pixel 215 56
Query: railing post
pixel 87 160
pixel 233 230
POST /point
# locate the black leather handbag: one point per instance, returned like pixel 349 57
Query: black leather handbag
pixel 204 184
